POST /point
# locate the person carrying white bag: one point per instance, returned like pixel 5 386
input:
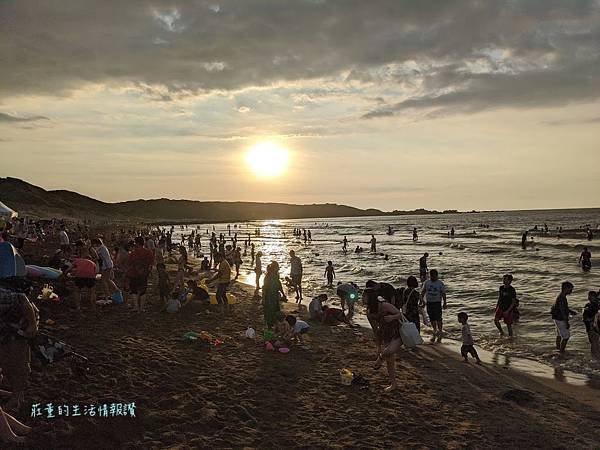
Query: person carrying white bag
pixel 412 302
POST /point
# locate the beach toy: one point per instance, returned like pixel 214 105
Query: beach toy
pixel 269 347
pixel 268 335
pixel 190 336
pixel 346 377
pixel 117 298
pixel 47 290
pixel 250 333
pixel 284 350
pixel 8 260
pixel 206 336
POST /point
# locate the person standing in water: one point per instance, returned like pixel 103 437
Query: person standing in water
pixel 423 267
pixel 415 235
pixel 434 292
pixel 524 240
pixel 591 314
pixel 452 232
pixel 373 244
pixel 329 273
pixel 507 302
pixel 296 275
pixel 345 245
pixel 560 314
pixel 585 259
pixel 258 269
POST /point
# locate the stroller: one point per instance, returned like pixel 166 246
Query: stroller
pixel 50 350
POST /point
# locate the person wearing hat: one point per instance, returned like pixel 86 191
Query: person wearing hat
pixel 505 307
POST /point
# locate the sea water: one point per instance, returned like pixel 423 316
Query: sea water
pixel 471 264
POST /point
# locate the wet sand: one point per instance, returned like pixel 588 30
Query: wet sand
pixel 238 395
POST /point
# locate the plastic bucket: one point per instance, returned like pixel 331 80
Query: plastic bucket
pixel 117 298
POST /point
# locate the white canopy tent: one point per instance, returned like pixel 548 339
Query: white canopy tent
pixel 6 212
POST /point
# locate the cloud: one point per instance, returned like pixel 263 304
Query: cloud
pixel 8 118
pixel 561 122
pixel 428 58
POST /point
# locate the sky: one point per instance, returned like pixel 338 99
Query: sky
pixel 398 104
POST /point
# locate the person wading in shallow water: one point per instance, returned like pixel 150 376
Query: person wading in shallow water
pixel 434 293
pixel 296 275
pixel 505 307
pixel 560 314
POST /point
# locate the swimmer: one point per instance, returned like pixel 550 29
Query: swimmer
pixel 585 259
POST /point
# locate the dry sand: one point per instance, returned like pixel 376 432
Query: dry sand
pixel 239 395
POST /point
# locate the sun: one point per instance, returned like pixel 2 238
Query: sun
pixel 268 159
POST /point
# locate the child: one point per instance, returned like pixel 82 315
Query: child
pixel 298 327
pixel 467 339
pixel 315 307
pixel 329 273
pixel 205 264
pixel 173 305
pixel 164 283
pixel 331 316
pixel 283 330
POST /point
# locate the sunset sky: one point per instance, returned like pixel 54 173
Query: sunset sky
pixel 387 104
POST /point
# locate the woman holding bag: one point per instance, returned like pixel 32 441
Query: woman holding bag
pixel 388 317
pixel 412 302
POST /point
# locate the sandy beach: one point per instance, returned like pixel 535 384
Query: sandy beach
pixel 237 395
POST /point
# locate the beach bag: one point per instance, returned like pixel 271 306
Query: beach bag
pixel 410 335
pixel 117 298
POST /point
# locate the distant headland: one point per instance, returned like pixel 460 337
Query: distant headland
pixel 31 200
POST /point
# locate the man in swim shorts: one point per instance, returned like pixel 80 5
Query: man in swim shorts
pixel 296 275
pixel 140 264
pixel 434 292
pixel 585 259
pixel 560 314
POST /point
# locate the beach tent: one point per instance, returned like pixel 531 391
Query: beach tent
pixel 6 212
pixel 11 263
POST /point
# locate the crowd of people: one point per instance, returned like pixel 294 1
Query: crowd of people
pixel 93 272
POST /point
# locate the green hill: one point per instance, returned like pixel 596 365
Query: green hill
pixel 35 201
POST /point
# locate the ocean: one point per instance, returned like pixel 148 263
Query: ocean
pixel 471 265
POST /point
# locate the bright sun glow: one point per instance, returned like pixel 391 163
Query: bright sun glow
pixel 267 159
